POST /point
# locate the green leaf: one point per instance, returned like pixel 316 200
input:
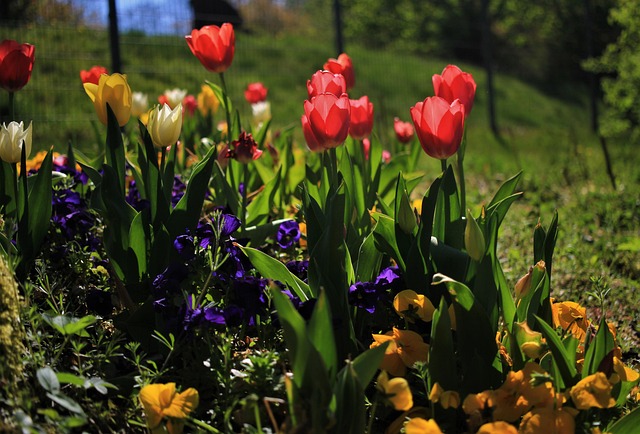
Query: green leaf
pixel 187 212
pixel 259 209
pixel 507 189
pixel 48 379
pixel 320 332
pixel 115 150
pixel 441 350
pixel 66 402
pixel 369 260
pixel 476 346
pixel 99 384
pixel 628 424
pixel 138 240
pixel 385 238
pixel 69 378
pixel 40 204
pixel 271 268
pixel 350 402
pixel 598 348
pixel 561 359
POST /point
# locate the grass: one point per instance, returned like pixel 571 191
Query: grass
pixel 546 136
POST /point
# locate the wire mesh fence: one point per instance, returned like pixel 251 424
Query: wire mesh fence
pixel 155 57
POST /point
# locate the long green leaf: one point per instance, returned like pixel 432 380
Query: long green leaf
pixel 273 269
pixel 561 359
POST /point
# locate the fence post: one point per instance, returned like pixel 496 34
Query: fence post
pixel 114 38
pixel 488 65
pixel 338 17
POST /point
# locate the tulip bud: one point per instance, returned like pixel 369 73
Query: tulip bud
pixel 530 341
pixel 12 138
pixel 474 241
pixel 523 285
pixel 164 125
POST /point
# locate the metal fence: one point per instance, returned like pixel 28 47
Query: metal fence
pixel 47 97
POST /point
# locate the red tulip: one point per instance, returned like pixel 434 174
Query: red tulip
pixel 213 46
pixel 361 122
pixel 326 82
pixel 190 104
pixel 404 130
pixel 439 126
pixel 93 74
pixel 325 122
pixel 245 149
pixel 255 92
pixel 342 65
pixel 16 64
pixel 454 84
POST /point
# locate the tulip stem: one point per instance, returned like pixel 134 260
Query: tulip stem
pixel 245 182
pixel 12 106
pixel 372 416
pixel 443 165
pixel 226 106
pixel 460 167
pixel 163 156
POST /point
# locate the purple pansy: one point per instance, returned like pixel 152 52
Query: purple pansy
pixel 288 234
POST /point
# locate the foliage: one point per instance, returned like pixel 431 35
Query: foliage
pixel 619 65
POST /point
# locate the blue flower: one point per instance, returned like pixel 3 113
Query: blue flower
pixel 288 234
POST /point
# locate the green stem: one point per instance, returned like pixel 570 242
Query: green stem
pixel 163 157
pixel 226 106
pixel 443 165
pixel 372 417
pixel 463 191
pixel 203 425
pixel 245 182
pixel 12 107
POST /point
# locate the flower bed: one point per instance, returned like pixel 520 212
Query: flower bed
pixel 204 273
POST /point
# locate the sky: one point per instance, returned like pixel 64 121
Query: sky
pixel 149 16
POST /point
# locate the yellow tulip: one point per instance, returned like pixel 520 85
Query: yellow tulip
pixel 207 101
pixel 162 400
pixel 498 427
pixel 113 90
pixel 164 125
pixel 12 138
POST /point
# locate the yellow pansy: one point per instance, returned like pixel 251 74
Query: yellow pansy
pixel 113 90
pixel 162 400
pixel 404 350
pixel 396 391
pixel 593 391
pixel 499 427
pixel 418 425
pixel 548 420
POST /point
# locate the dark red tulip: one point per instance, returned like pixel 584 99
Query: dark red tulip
pixel 16 64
